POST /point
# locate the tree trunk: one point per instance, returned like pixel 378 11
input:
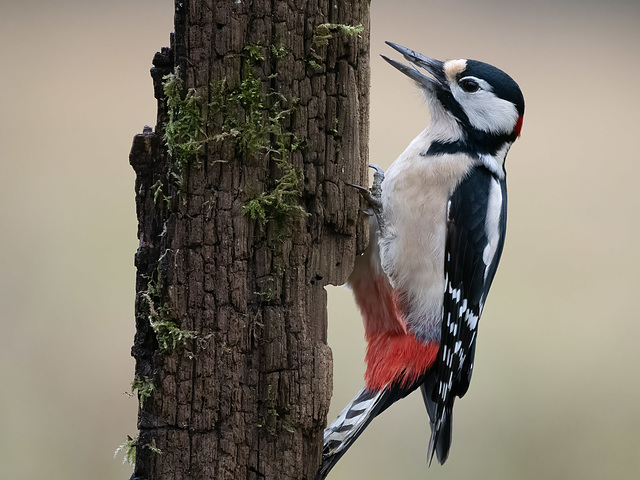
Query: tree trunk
pixel 244 216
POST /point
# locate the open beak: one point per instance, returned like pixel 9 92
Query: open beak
pixel 434 67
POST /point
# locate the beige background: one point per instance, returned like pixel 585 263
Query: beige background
pixel 555 390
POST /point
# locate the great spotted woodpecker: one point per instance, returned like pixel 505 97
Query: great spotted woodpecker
pixel 436 239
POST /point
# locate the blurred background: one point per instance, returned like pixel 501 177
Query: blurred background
pixel 555 388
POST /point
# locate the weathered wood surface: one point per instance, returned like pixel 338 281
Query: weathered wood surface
pixel 248 397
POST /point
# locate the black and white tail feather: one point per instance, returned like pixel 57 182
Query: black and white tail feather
pixel 367 405
pixel 440 421
pixel 351 422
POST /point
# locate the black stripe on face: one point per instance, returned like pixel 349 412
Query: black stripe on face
pixel 450 104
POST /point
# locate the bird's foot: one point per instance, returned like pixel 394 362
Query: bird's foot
pixel 373 196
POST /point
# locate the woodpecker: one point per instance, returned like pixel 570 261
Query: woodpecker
pixel 437 233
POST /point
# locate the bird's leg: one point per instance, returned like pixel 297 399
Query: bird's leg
pixel 373 196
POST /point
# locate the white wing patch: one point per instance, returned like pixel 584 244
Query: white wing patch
pixel 472 320
pixel 492 224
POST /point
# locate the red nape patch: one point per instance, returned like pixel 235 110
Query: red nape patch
pixel 518 126
pixel 399 358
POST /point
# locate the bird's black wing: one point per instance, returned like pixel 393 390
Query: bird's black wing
pixel 476 225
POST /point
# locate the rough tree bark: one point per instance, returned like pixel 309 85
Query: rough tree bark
pixel 244 216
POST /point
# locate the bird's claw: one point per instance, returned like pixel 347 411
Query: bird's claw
pixel 377 168
pixel 373 196
pixel 372 199
pixel 362 190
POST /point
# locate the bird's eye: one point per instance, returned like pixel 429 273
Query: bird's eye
pixel 469 85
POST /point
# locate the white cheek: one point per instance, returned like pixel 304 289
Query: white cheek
pixel 486 112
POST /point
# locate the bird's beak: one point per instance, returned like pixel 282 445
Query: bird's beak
pixel 434 67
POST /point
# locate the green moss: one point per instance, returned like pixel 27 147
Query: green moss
pixel 276 418
pixel 268 293
pixel 153 448
pixel 184 133
pixel 253 135
pixel 279 205
pixel 163 321
pixel 157 190
pixel 287 424
pixel 158 194
pixel 279 51
pixel 242 112
pixel 128 450
pixel 324 32
pixel 256 117
pixel 251 113
pixel 270 417
pixel 314 64
pixel 249 94
pixel 170 337
pixel 321 36
pixel 254 53
pixel 145 388
pixel 334 128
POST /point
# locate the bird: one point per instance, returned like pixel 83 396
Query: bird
pixel 437 231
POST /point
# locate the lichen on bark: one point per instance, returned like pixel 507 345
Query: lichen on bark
pixel 248 396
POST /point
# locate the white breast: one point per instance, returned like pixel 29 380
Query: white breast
pixel 415 194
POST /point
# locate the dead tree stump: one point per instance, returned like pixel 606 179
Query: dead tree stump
pixel 244 216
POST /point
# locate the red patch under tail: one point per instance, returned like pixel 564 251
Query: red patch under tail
pixel 394 354
pixel 397 358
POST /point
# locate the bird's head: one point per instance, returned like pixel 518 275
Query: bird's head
pixel 479 97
